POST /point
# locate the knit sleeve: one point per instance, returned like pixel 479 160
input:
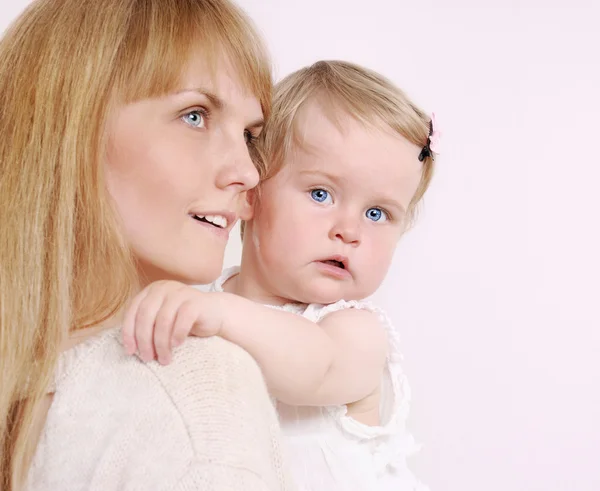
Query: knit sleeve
pixel 221 395
pixel 204 422
pixel 214 477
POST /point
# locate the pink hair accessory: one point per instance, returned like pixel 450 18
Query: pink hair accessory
pixel 433 141
pixel 434 136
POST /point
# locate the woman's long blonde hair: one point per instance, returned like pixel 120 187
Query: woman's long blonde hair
pixel 63 263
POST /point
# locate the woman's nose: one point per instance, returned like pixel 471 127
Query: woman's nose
pixel 238 168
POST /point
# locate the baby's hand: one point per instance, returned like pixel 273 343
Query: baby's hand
pixel 164 313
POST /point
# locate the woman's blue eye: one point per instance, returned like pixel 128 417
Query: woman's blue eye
pixel 195 119
pixel 320 195
pixel 376 214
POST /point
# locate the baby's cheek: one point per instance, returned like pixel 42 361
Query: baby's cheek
pixel 374 276
pixel 378 259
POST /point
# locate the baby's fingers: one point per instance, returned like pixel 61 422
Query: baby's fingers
pixel 144 323
pixel 128 328
pixel 163 328
pixel 187 316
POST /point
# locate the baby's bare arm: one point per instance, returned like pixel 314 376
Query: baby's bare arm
pixel 338 361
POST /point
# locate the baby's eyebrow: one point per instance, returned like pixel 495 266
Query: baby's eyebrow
pixel 321 173
pixel 393 203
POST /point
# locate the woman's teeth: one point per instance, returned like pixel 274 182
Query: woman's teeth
pixel 216 220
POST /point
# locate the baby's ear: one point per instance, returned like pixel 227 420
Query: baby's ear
pixel 248 207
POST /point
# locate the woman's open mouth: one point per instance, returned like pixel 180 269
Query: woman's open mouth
pixel 218 221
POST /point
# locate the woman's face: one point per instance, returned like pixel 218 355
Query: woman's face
pixel 178 168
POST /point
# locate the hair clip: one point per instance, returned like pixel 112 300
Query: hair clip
pixel 432 146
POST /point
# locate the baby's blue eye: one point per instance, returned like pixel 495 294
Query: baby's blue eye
pixel 195 119
pixel 376 214
pixel 320 195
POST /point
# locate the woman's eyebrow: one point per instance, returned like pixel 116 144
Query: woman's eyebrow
pixel 256 124
pixel 214 99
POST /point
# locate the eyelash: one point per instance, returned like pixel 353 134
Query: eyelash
pixel 389 216
pixel 384 211
pixel 324 188
pixel 250 137
pixel 205 112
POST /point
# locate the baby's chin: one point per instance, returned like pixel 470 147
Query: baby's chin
pixel 326 294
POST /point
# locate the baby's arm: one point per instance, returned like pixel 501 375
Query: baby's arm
pixel 338 361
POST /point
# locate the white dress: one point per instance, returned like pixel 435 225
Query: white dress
pixel 328 450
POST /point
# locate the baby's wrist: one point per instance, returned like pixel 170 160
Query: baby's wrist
pixel 231 309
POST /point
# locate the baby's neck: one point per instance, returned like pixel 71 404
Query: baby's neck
pixel 247 284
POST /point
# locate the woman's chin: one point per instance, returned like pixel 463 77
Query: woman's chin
pixel 199 269
pixel 201 274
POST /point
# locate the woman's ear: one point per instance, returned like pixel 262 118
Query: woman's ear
pixel 248 207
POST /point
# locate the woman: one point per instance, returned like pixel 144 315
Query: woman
pixel 127 147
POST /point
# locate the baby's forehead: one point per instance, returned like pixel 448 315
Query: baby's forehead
pixel 325 131
pixel 361 155
pixel 321 126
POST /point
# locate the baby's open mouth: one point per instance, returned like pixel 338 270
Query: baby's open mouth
pixel 333 262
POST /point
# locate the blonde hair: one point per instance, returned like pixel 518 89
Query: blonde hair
pixel 362 93
pixel 63 264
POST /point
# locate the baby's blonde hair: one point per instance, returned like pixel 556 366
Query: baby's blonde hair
pixel 342 86
pixel 64 64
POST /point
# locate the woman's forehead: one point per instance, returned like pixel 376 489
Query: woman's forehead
pixel 219 79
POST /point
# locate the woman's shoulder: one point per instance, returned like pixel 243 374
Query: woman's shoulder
pixel 101 364
pixel 109 417
pixel 150 421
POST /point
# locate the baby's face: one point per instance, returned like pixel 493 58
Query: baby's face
pixel 327 224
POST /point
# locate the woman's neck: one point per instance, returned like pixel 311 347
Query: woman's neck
pixel 80 335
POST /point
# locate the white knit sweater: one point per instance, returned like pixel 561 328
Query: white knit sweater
pixel 204 422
